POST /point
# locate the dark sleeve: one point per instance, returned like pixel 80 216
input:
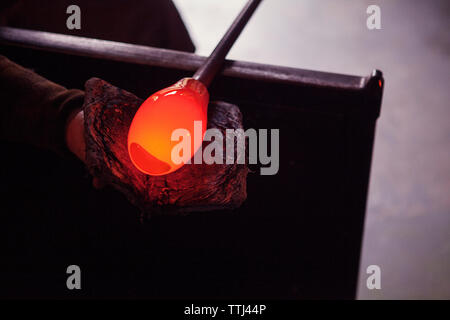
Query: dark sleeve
pixel 33 109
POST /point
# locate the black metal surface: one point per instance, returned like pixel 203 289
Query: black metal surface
pixel 298 235
pixel 208 71
pixel 170 59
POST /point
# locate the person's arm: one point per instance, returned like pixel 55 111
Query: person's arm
pixel 40 112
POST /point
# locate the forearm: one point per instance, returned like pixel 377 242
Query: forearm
pixel 35 110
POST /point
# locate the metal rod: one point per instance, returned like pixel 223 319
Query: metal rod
pixel 213 64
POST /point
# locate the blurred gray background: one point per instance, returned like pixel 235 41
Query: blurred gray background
pixel 407 230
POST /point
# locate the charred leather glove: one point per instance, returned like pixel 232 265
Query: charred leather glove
pixel 108 112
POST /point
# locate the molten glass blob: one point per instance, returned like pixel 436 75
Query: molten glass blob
pixel 150 142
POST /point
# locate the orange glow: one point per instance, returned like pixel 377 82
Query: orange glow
pixel 149 137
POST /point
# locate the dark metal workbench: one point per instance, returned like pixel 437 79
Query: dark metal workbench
pixel 298 235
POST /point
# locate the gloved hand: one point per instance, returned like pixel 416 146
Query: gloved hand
pixel 45 114
pixel 105 119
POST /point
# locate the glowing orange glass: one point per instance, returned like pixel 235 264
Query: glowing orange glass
pixel 176 107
